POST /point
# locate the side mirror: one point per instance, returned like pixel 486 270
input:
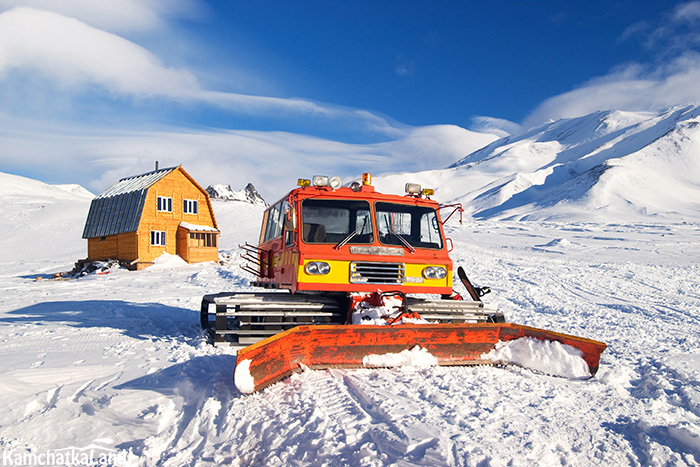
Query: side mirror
pixel 290 218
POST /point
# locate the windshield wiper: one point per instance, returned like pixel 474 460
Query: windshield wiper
pixel 352 235
pixel 405 242
pixel 408 246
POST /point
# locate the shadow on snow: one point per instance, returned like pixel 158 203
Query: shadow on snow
pixel 137 320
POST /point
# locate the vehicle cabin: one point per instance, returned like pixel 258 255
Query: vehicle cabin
pixel 353 239
pixel 142 217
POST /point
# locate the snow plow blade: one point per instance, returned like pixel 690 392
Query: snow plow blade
pixel 345 346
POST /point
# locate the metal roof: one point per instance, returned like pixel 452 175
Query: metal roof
pixel 118 209
pixel 135 183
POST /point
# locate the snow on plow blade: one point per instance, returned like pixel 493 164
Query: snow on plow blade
pixel 346 346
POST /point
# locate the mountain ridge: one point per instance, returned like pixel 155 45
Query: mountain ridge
pixel 605 166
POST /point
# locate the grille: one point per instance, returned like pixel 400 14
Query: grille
pixel 376 273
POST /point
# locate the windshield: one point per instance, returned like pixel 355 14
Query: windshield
pixel 418 226
pixel 332 221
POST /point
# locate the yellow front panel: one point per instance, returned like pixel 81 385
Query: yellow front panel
pixel 340 273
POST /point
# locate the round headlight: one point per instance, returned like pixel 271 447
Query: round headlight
pixel 434 272
pixel 317 268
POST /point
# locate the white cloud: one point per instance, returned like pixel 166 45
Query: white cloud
pixel 673 79
pixel 688 12
pixel 272 161
pixel 119 16
pixel 632 88
pixel 74 54
pixel 497 126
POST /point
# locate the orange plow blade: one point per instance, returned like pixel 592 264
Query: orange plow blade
pixel 346 346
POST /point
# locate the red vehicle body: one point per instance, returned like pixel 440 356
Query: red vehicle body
pixel 357 273
pixel 399 235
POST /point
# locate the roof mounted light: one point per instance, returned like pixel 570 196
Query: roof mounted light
pixel 366 178
pixel 303 182
pixel 336 183
pixel 414 188
pixel 320 180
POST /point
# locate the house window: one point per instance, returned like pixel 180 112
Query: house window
pixel 202 239
pixel 158 237
pixel 190 206
pixel 165 204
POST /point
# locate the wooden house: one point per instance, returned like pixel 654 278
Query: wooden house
pixel 141 217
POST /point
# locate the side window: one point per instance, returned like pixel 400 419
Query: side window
pixel 165 204
pixel 273 228
pixel 158 237
pixel 189 206
pixel 202 239
pixel 430 228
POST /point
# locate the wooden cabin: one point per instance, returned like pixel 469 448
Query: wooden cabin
pixel 141 217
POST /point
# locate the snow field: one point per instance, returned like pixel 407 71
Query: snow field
pixel 119 360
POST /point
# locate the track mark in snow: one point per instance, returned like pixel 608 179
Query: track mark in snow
pixel 110 380
pixel 76 396
pixel 396 427
pixel 52 397
pixel 418 450
pixel 334 401
pixel 36 406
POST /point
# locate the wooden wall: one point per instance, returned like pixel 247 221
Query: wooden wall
pixel 178 186
pixel 121 246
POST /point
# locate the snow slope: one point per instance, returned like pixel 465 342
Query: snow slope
pixel 115 364
pixel 607 165
pixel 40 221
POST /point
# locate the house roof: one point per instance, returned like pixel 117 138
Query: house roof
pixel 197 228
pixel 135 183
pixel 118 209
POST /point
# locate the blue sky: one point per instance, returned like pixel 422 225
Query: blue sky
pixel 424 63
pixel 269 91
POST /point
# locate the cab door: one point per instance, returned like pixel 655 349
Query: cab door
pixel 289 250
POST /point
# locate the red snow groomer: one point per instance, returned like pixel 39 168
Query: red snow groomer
pixel 354 275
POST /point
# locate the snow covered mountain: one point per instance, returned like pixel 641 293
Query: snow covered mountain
pixel 248 195
pixel 606 166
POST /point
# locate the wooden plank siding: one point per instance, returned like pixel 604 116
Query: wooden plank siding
pixel 192 252
pixel 121 246
pixel 179 186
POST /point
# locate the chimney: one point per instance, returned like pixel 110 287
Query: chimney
pixel 156 165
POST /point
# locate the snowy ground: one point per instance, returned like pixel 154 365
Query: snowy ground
pixel 116 364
